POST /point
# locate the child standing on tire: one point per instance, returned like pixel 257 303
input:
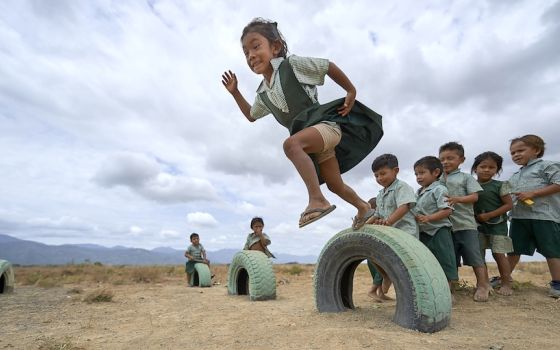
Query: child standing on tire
pixel 394 202
pixel 432 214
pixel 491 214
pixel 289 92
pixel 535 223
pixel 196 254
pixel 258 240
pixel 463 193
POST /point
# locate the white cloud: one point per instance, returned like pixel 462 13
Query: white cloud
pixel 201 219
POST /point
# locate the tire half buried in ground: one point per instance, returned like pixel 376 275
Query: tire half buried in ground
pixel 423 296
pixel 250 273
pixel 7 279
pixel 201 276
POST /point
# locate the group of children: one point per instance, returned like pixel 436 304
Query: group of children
pixel 457 216
pixel 450 208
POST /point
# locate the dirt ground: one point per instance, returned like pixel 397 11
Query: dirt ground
pixel 170 315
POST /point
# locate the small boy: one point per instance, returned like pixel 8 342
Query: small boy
pixel 463 193
pixel 393 202
pixel 196 254
pixel 432 213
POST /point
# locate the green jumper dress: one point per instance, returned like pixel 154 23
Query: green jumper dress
pixel 361 128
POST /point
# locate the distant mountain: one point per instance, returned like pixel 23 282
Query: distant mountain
pixel 24 252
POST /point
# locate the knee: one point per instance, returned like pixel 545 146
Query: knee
pixel 291 146
pixel 335 186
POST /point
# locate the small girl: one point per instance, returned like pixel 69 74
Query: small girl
pixel 258 240
pixel 490 213
pixel 535 223
pixel 432 213
pixel 289 92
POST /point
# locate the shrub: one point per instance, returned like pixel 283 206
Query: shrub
pixel 99 296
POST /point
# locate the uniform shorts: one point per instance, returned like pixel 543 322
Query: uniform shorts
pixel 331 134
pixel 497 243
pixel 529 235
pixel 441 245
pixel 467 246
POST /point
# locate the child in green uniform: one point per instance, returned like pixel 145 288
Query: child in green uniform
pixel 258 240
pixel 394 202
pixel 196 254
pixel 535 223
pixel 432 214
pixel 325 140
pixel 463 193
pixel 490 212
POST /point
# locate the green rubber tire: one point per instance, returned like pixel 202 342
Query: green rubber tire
pixel 201 276
pixel 7 279
pixel 251 273
pixel 423 295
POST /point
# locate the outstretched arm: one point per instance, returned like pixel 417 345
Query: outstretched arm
pixel 229 79
pixel 338 76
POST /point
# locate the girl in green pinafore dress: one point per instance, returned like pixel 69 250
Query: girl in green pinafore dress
pixel 325 140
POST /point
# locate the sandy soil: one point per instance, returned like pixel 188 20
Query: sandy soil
pixel 170 315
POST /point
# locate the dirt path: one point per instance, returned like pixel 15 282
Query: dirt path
pixel 171 316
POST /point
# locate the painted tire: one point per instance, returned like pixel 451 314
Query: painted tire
pixel 201 276
pixel 423 296
pixel 250 273
pixel 7 279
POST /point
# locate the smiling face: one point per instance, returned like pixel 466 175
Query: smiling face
pixel 386 176
pixel 451 160
pixel 521 153
pixel 258 52
pixel 425 177
pixel 486 170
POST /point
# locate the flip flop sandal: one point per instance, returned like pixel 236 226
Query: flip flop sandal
pixel 322 212
pixel 358 223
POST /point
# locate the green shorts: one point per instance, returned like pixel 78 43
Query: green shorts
pixel 467 246
pixel 529 235
pixel 189 266
pixel 497 243
pixel 441 245
pixel 375 275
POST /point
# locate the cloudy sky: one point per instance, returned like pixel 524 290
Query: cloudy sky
pixel 115 128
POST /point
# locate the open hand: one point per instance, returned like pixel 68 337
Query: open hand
pixel 229 79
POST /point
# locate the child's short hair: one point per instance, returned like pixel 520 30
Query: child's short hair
pixel 531 140
pixel 269 30
pixel 453 146
pixel 255 220
pixel 384 161
pixel 193 235
pixel 488 155
pixel 431 163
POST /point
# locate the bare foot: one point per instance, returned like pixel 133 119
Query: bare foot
pixel 372 293
pixel 481 294
pixel 505 290
pixel 383 296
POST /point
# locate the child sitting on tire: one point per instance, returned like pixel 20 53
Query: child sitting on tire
pixel 196 254
pixel 393 204
pixel 258 240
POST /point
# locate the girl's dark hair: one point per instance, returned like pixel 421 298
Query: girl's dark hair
pixel 533 141
pixel 193 235
pixel 269 30
pixel 431 163
pixel 488 155
pixel 256 220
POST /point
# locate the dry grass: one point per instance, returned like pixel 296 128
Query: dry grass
pixel 53 344
pixel 99 296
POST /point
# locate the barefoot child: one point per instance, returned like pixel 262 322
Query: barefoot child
pixel 432 214
pixel 535 223
pixel 196 254
pixel 258 240
pixel 490 212
pixel 394 202
pixel 289 92
pixel 463 192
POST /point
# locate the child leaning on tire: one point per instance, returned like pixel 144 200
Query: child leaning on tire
pixel 196 254
pixel 432 214
pixel 258 240
pixel 393 204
